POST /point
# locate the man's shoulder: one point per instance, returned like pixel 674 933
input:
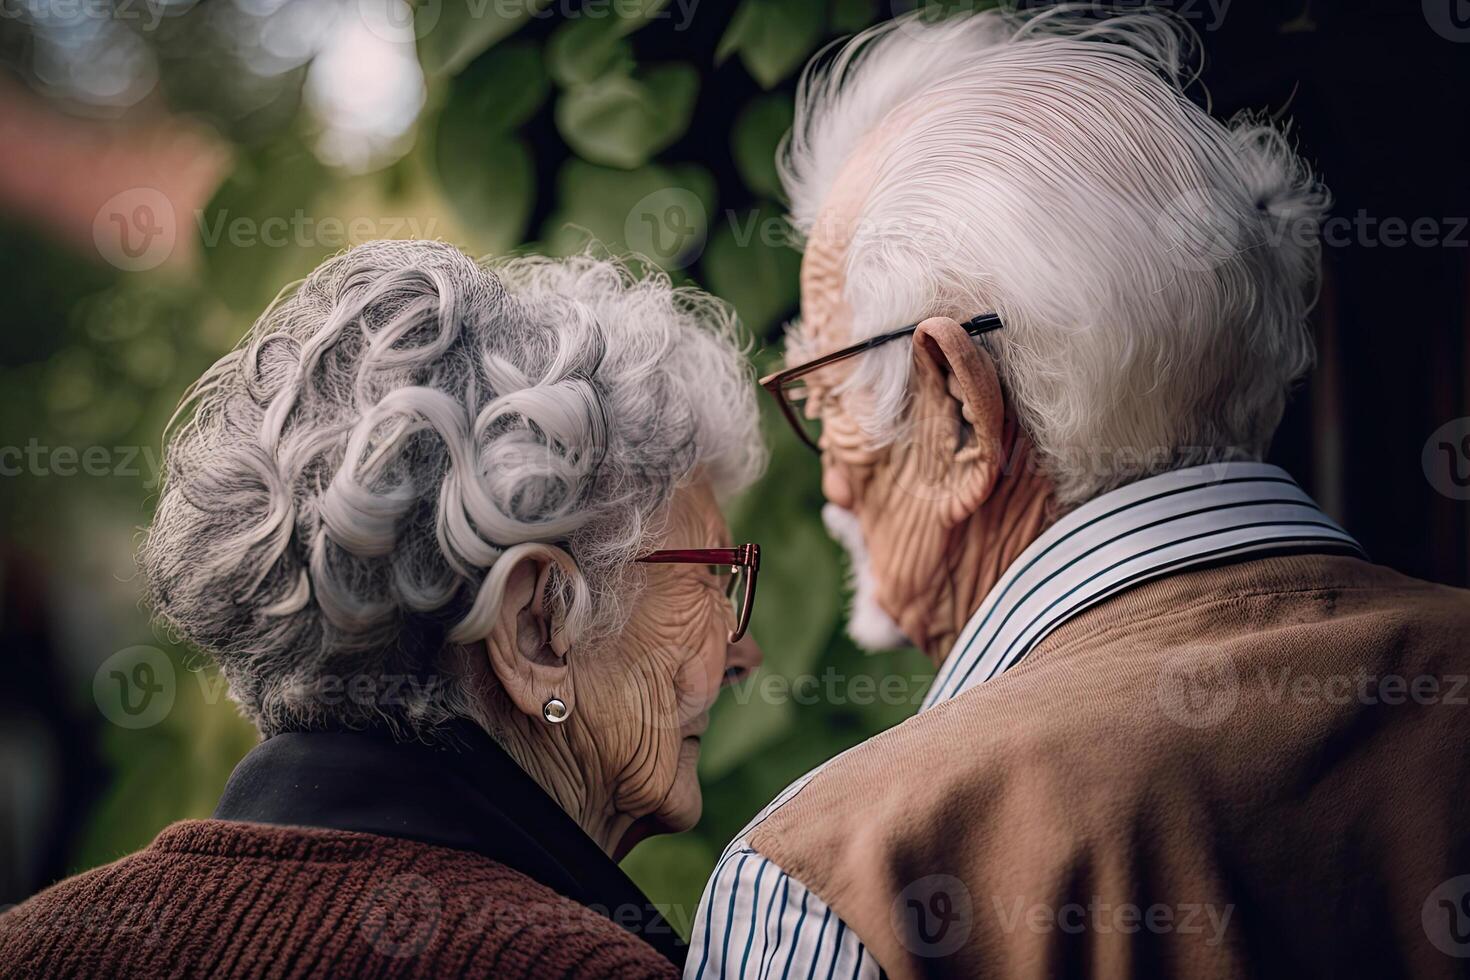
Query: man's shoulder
pixel 1156 690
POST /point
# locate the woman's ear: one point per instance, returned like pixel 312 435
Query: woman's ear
pixel 962 377
pixel 527 636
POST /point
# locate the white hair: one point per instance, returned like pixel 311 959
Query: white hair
pixel 868 623
pixel 1153 267
pixel 356 477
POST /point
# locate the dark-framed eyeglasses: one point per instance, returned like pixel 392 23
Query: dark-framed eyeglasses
pixel 789 388
pixel 744 562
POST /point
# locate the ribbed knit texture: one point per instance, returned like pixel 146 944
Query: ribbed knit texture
pixel 226 899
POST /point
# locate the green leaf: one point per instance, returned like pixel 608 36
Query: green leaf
pixel 660 212
pixel 582 51
pixel 750 262
pixel 248 221
pixel 622 121
pixel 848 16
pixel 675 87
pixel 486 175
pixel 612 122
pixel 453 34
pixel 672 871
pixel 742 24
pixel 482 168
pixel 911 673
pixel 793 626
pixel 742 723
pixel 772 37
pixel 587 47
pixel 498 92
pixel 758 131
pixel 636 13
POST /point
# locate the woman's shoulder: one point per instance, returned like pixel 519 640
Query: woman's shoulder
pixel 220 894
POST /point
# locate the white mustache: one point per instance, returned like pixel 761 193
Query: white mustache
pixel 869 626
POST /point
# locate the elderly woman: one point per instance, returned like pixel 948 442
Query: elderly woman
pixel 451 534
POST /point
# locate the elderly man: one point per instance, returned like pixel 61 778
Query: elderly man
pixel 1180 725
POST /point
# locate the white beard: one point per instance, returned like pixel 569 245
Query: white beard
pixel 869 626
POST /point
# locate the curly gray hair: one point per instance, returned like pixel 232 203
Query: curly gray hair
pixel 351 476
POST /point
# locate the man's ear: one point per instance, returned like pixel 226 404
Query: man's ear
pixel 527 643
pixel 960 385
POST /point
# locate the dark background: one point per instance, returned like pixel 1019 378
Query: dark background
pixel 1375 101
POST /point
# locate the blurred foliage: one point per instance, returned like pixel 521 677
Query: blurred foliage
pixel 652 127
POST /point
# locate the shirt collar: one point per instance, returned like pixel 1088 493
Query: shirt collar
pixel 1200 515
pixel 465 792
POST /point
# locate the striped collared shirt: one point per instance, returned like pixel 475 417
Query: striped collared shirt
pixel 756 921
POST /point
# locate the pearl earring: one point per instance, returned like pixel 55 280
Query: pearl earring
pixel 555 711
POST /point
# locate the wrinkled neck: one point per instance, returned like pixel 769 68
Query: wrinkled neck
pixel 564 761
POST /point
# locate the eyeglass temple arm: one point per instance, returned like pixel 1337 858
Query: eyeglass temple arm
pixel 975 326
pixel 745 556
pixel 984 323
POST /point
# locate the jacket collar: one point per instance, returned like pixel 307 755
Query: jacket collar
pixel 466 794
pixel 1200 515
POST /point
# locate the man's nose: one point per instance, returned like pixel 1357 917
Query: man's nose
pixel 836 486
pixel 742 658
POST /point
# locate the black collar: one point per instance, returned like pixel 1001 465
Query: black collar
pixel 468 795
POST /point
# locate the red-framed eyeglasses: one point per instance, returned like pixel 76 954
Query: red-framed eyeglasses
pixel 744 562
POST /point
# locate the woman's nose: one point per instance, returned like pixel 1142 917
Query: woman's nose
pixel 742 658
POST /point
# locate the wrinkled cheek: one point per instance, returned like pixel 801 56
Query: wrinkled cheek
pixel 904 539
pixel 675 674
pixel 700 656
pixel 666 760
pixel 660 664
pixel 644 779
pixel 697 683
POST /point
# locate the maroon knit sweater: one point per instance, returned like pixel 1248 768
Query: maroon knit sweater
pixel 228 899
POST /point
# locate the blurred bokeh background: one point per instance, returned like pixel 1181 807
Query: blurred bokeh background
pixel 169 165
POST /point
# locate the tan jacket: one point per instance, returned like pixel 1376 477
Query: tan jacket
pixel 1257 769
